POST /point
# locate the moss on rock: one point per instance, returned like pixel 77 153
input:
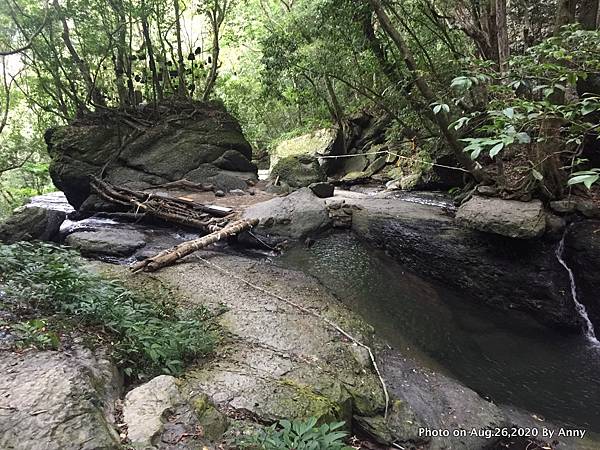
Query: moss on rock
pixel 298 171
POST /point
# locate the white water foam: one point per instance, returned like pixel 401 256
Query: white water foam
pixel 589 327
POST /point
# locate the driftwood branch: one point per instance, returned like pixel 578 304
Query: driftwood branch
pixel 170 256
pixel 186 184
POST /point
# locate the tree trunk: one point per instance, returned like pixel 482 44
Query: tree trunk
pixel 502 35
pixel 170 256
pixel 215 21
pixel 565 14
pixel 589 14
pixel 92 91
pixel 373 43
pixel 441 119
pixel 157 86
pixel 181 89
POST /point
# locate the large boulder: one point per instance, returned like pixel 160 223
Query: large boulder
pixel 145 407
pixel 31 223
pixel 504 217
pixel 298 171
pixel 107 242
pixel 295 216
pixel 58 401
pixel 192 140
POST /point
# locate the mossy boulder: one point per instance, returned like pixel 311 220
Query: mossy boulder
pixel 319 142
pixel 147 147
pixel 298 171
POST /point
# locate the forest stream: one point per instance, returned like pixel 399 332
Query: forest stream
pixel 499 355
pixel 504 356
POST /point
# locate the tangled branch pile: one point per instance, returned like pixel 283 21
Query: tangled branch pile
pixel 171 209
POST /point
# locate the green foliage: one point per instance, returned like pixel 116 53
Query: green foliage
pixel 539 90
pixel 149 335
pixel 585 177
pixel 34 333
pixel 297 435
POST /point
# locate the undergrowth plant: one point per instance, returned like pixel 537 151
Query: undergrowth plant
pixel 148 335
pixel 296 435
pixel 34 333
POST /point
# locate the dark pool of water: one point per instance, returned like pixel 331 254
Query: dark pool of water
pixel 505 356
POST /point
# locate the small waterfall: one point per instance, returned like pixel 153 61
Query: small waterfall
pixel 589 327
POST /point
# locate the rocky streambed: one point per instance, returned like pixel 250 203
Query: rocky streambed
pixel 279 357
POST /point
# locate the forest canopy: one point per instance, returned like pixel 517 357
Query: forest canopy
pixel 511 90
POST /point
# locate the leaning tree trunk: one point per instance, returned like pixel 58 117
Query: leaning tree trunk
pixel 181 89
pixel 214 19
pixel 440 119
pixel 92 91
pixel 157 86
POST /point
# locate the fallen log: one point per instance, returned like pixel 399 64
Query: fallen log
pixel 170 256
pixel 206 218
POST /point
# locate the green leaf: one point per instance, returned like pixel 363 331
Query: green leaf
pixel 587 179
pixel 589 107
pixel 463 83
pixel 523 138
pixel 475 153
pixel 509 112
pixel 437 109
pixel 496 149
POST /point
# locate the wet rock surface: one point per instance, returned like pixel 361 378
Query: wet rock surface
pixel 583 255
pixel 57 401
pixel 107 242
pixel 198 141
pixel 31 223
pixel 514 219
pixel 280 362
pixel 425 399
pixel 322 190
pixel 500 271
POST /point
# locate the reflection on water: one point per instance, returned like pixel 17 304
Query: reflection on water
pixel 504 356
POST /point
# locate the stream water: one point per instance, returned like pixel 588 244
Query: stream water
pixel 504 356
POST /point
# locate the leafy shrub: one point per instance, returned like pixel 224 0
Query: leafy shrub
pixel 297 435
pixel 148 336
pixel 535 104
